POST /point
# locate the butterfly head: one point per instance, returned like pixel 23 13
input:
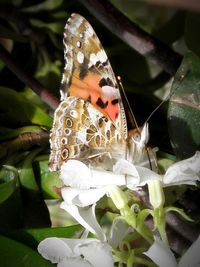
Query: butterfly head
pixel 137 141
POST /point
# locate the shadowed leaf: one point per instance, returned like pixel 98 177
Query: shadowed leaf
pixel 184 111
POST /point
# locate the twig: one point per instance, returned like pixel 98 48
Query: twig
pixel 188 231
pixel 24 142
pixel 37 87
pixel 134 36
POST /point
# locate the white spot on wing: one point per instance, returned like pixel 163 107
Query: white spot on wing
pixel 80 57
pixel 90 31
pixel 78 44
pixel 102 56
pixel 74 113
pixel 110 91
pixel 66 49
pixel 74 25
pixel 81 135
pixel 93 60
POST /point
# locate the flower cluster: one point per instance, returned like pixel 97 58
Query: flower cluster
pixel 85 186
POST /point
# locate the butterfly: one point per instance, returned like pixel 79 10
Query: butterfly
pixel 90 121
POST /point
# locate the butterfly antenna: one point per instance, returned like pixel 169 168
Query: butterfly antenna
pixel 181 78
pixel 132 117
pixel 161 103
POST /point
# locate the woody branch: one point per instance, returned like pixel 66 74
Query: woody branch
pixel 134 36
pixel 29 80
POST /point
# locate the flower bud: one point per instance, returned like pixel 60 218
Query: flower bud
pixel 156 194
pixel 118 196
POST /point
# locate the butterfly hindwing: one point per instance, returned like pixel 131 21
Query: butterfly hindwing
pixel 80 131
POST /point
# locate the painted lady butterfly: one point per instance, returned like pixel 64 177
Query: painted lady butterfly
pixel 90 120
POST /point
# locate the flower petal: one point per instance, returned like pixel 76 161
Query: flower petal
pixel 76 174
pixel 54 249
pixel 135 175
pixel 184 172
pixel 145 175
pixel 86 217
pixel 123 166
pixel 74 262
pixel 118 231
pixel 97 253
pixel 161 254
pixel 74 242
pixel 103 178
pixel 192 256
pixel 82 197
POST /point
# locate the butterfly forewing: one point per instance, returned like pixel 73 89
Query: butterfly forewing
pixel 88 73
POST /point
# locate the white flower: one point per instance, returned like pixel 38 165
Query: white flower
pixel 183 172
pixel 163 256
pixel 86 217
pixel 87 252
pixel 77 175
pixel 87 186
pixel 118 231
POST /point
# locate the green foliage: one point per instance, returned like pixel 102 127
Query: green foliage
pixel 192 37
pixel 22 245
pixel 183 112
pixel 9 181
pixel 16 110
pixel 21 255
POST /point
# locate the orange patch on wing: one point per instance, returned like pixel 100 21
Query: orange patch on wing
pixel 88 88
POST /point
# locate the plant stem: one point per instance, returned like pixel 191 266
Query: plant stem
pixel 131 219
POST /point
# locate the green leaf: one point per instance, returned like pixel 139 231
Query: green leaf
pixel 8 182
pixel 192 36
pixel 180 212
pixel 142 215
pixel 32 237
pixel 17 110
pixel 31 96
pixel 16 254
pixel 48 71
pixel 164 164
pixel 141 227
pixel 184 111
pixel 11 210
pixel 10 34
pixel 56 27
pixel 50 183
pixel 147 16
pixel 35 211
pixel 174 194
pixel 44 5
pixel 27 178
